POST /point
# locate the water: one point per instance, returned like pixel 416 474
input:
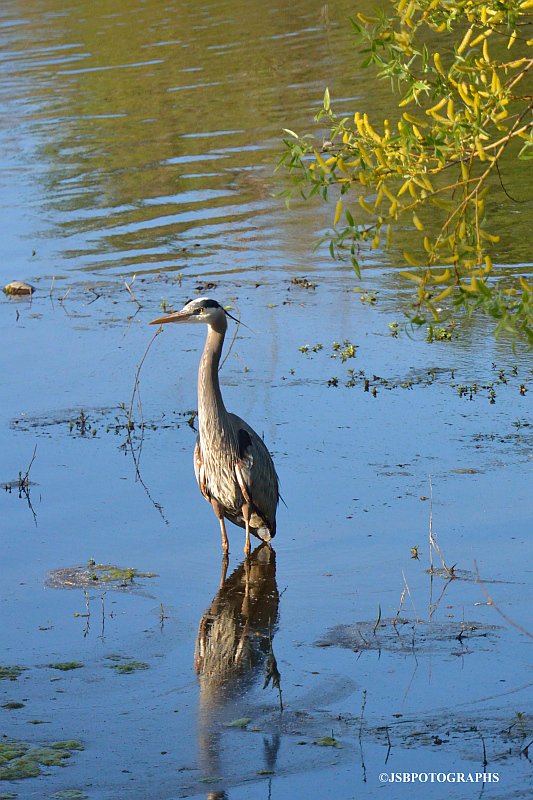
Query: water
pixel 141 140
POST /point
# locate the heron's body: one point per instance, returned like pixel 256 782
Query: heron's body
pixel 233 467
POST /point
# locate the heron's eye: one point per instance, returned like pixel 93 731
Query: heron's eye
pixel 198 311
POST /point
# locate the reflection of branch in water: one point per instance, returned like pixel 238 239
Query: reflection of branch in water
pixel 495 607
pixel 272 671
pixel 360 736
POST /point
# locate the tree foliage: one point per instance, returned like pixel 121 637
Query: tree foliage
pixel 460 69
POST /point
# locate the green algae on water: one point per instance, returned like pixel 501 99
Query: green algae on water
pixel 130 666
pixel 11 673
pixel 238 723
pixel 68 744
pixel 18 760
pixel 67 665
pixel 12 704
pixel 328 741
pixel 69 794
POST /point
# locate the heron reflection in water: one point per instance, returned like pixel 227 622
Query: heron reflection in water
pixel 232 645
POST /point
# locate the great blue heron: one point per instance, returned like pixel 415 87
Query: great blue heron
pixel 233 467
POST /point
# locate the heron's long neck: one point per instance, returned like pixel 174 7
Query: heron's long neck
pixel 211 411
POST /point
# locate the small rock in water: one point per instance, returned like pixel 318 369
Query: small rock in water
pixel 18 287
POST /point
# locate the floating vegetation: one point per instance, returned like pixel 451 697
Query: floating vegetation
pixel 95 575
pixel 87 424
pixel 20 760
pixel 130 666
pixel 238 723
pixel 65 666
pixel 302 283
pixel 68 744
pixel 11 673
pixel 328 741
pixel 69 794
pixel 403 636
pixel 12 705
pixel 486 387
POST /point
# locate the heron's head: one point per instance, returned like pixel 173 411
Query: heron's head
pixel 202 309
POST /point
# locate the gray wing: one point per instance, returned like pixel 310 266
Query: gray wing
pixel 258 472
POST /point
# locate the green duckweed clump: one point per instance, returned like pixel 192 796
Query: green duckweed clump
pixel 11 673
pixel 19 760
pixel 130 666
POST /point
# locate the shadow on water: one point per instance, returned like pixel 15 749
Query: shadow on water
pixel 234 639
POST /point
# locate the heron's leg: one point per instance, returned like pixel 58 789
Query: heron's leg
pixel 217 508
pixel 247 513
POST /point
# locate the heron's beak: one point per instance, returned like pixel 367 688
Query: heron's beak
pixel 176 316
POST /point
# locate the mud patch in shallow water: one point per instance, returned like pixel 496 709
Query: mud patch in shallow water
pixel 403 636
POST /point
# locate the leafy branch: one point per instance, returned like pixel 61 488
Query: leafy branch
pixel 433 168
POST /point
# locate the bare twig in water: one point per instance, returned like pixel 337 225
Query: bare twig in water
pixel 128 287
pixel 485 762
pixel 136 456
pixel 525 750
pixel 495 607
pixel 24 486
pixel 23 482
pixel 94 298
pixel 390 745
pixel 136 384
pixel 432 539
pixel 234 335
pixel 52 286
pixel 410 596
pixel 65 295
pixel 399 609
pixel 162 616
pixel 87 615
pixel 378 619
